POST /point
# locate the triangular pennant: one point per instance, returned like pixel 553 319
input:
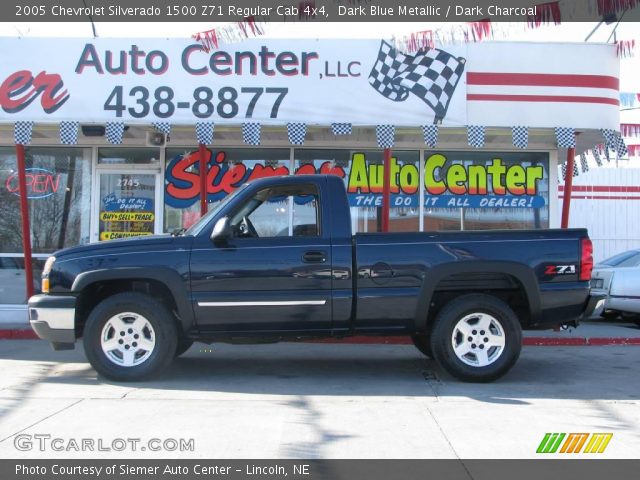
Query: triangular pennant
pixel 430 134
pixel 583 163
pixel 22 132
pixel 341 128
pixel 475 136
pixel 296 133
pixel 113 132
pixel 162 127
pixel 520 136
pixel 251 133
pixel 565 137
pixel 204 132
pixel 385 135
pixel 69 133
pixel 596 156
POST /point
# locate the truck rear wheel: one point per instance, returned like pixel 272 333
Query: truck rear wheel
pixel 130 336
pixel 476 338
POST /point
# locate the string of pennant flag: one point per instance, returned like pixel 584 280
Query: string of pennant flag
pixel 297 133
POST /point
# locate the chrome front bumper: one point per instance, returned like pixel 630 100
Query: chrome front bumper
pixel 53 319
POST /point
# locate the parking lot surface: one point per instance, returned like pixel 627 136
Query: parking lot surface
pixel 295 400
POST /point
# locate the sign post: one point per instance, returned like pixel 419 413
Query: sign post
pixel 24 210
pixel 203 178
pixel 386 190
pixel 568 186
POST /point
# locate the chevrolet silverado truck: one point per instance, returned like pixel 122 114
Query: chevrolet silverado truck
pixel 277 261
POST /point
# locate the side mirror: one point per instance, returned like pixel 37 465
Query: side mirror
pixel 222 232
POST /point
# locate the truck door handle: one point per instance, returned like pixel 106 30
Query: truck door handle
pixel 314 256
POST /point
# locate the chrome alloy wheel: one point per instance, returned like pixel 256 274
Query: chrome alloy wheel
pixel 127 339
pixel 478 339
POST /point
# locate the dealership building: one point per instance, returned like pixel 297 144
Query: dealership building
pixel 113 131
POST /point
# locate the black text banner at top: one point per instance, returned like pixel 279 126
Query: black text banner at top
pixel 528 11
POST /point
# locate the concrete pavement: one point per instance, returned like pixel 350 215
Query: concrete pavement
pixel 320 401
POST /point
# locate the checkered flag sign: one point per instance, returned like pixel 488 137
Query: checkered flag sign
pixel 251 133
pixel 583 163
pixel 341 128
pixel 204 132
pixel 520 137
pixel 385 134
pixel 430 134
pixel 22 132
pixel 614 141
pixel 432 75
pixel 575 169
pixel 566 137
pixel 596 155
pixel 296 133
pixel 69 133
pixel 475 136
pixel 162 127
pixel 564 170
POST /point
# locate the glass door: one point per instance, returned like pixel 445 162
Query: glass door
pixel 127 204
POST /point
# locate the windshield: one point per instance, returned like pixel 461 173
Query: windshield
pixel 197 227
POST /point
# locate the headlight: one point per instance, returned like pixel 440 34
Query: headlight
pixel 45 274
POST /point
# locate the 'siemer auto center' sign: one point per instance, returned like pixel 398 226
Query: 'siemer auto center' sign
pixel 363 82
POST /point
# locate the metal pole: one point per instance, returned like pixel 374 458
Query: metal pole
pixel 202 149
pixel 568 186
pixel 24 210
pixel 386 190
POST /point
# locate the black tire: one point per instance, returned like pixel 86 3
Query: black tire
pixel 442 337
pixel 422 343
pixel 164 333
pixel 610 314
pixel 184 344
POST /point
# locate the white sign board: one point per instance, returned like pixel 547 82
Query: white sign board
pixel 363 82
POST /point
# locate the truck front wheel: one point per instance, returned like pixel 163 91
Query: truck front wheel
pixel 476 338
pixel 130 336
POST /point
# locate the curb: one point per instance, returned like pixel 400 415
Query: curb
pixel 20 334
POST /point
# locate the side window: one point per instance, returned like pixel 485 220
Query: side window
pixel 285 211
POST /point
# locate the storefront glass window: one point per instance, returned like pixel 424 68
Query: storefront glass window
pixel 483 190
pixel 228 169
pixel 128 156
pixel 58 188
pixel 362 172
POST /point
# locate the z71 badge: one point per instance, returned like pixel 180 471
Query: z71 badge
pixel 560 270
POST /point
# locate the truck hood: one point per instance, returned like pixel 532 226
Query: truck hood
pixel 124 243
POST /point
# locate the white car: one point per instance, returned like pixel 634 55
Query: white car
pixel 618 278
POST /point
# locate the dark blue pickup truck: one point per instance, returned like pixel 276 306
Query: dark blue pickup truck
pixel 464 297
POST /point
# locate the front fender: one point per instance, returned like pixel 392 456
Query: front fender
pixel 170 278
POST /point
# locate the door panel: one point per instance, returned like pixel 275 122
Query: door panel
pixel 275 275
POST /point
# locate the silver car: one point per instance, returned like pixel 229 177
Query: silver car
pixel 618 278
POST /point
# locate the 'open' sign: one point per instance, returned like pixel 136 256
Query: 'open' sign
pixel 41 183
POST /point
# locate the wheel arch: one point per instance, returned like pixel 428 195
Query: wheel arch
pixel 435 276
pixel 168 281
